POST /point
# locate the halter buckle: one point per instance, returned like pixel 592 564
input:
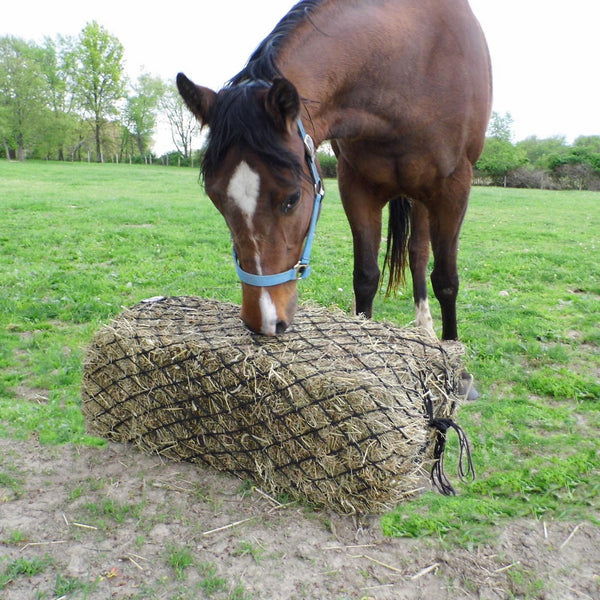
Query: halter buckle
pixel 309 146
pixel 301 270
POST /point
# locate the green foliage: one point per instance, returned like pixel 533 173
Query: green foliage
pixel 328 164
pixel 140 113
pixel 589 143
pixel 499 157
pixel 59 100
pixel 537 163
pixel 500 126
pixel 540 152
pixel 97 73
pixel 21 94
pixel 543 163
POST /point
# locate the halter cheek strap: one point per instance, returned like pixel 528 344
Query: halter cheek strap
pixel 302 269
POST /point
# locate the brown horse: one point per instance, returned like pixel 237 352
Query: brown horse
pixel 403 90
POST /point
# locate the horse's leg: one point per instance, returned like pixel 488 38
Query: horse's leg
pixel 418 256
pixel 445 222
pixel 363 209
pixel 446 212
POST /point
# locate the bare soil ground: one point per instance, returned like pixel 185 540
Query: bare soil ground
pixel 113 523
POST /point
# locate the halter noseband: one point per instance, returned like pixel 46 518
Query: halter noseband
pixel 302 269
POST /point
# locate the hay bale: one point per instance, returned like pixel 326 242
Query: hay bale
pixel 332 411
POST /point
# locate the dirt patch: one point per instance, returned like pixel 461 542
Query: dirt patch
pixel 114 523
pixel 30 394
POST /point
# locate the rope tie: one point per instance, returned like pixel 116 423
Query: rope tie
pixel 466 471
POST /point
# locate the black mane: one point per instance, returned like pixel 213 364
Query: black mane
pixel 261 64
pixel 238 119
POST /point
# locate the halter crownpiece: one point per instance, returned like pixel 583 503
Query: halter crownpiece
pixel 301 269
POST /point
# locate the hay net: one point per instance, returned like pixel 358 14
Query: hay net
pixel 342 411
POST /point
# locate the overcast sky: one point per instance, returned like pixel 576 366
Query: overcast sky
pixel 544 52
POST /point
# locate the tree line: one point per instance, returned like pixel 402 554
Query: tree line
pixel 69 99
pixel 549 163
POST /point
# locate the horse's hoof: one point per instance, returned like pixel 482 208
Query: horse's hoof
pixel 466 387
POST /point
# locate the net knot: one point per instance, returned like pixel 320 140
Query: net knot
pixel 466 471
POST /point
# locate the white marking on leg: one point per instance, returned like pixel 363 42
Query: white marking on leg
pixel 423 315
pixel 243 189
pixel 268 313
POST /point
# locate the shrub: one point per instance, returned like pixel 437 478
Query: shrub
pixel 530 177
pixel 328 164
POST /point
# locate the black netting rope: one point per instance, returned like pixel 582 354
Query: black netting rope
pixel 466 471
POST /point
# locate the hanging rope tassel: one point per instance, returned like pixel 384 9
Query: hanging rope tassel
pixel 466 471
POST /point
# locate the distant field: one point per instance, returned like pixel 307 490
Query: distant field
pixel 80 241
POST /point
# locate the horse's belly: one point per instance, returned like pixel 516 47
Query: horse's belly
pixel 394 169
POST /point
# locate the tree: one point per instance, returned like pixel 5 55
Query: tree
pixel 181 121
pixel 500 126
pixel 22 100
pixel 140 112
pixel 540 152
pixel 589 144
pixel 60 127
pixel 499 158
pixel 96 69
pixel 580 167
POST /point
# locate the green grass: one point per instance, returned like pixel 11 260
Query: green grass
pixel 179 558
pixel 66 587
pixel 22 567
pixel 108 512
pixel 210 582
pixel 79 242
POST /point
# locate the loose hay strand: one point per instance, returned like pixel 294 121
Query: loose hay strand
pixel 332 411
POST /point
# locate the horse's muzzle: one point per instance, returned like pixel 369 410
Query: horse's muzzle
pixel 269 311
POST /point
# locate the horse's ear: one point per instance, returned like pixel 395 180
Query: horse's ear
pixel 283 104
pixel 199 100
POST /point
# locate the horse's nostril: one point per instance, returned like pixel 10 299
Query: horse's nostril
pixel 281 326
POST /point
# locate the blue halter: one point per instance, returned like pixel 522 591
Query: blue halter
pixel 302 269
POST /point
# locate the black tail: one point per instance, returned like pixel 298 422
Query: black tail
pixel 397 242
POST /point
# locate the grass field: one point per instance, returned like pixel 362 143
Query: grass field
pixel 79 242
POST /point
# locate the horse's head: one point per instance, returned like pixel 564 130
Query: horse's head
pixel 256 174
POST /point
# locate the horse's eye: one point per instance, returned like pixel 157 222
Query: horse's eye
pixel 290 202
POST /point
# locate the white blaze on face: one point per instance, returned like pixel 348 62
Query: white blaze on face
pixel 423 315
pixel 243 189
pixel 268 313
